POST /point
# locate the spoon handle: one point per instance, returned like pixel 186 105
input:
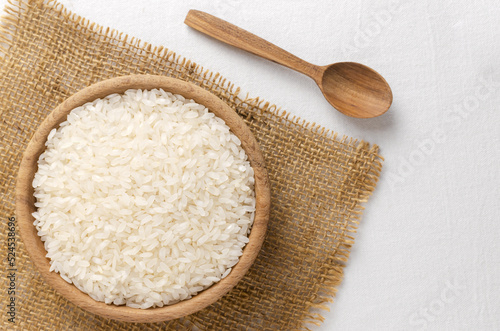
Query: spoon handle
pixel 237 37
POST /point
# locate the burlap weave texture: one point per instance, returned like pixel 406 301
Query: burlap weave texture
pixel 319 180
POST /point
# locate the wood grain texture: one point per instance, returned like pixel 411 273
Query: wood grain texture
pixel 352 88
pixel 25 199
pixel 355 89
pixel 237 37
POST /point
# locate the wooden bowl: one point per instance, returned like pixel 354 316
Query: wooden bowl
pixel 25 199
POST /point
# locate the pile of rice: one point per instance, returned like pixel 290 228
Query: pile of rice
pixel 143 198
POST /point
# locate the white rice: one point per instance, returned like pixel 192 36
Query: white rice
pixel 144 199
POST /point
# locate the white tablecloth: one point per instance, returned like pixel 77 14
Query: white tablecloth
pixel 427 253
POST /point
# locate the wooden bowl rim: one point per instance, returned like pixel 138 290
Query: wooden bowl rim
pixel 25 199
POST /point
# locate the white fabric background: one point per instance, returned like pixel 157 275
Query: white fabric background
pixel 427 254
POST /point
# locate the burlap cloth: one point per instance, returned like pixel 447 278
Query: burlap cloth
pixel 318 179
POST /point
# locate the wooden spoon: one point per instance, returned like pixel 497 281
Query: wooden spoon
pixel 352 88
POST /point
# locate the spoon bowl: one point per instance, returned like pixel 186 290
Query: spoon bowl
pixel 355 89
pixel 352 88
